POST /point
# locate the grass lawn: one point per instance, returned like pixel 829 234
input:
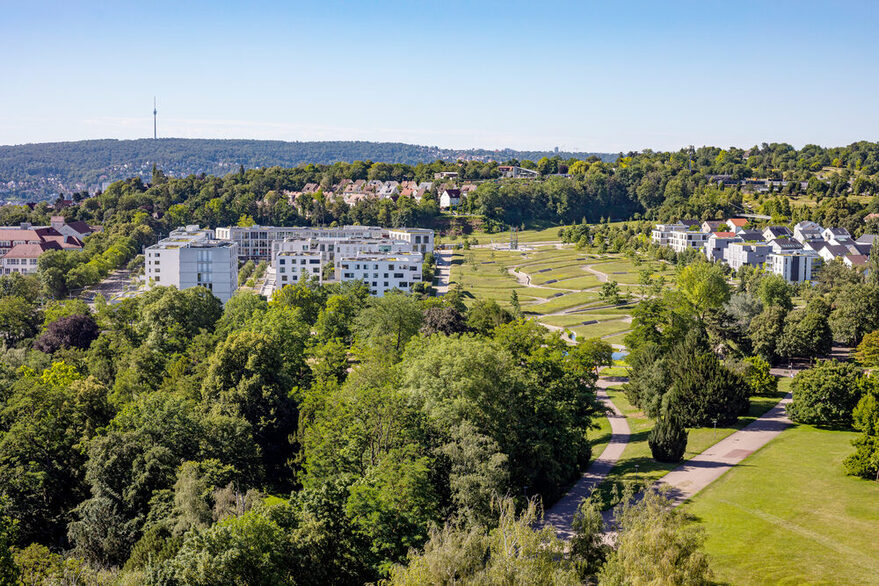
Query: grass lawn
pixel 560 303
pixel 790 515
pixel 637 464
pixel 602 328
pixel 585 281
pixel 600 437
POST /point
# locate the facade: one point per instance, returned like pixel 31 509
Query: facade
pixel 796 266
pixel 739 254
pixel 292 266
pixel 514 172
pixel 191 257
pixel 682 240
pixel 419 239
pixel 661 234
pixel 449 198
pixel 717 243
pixel 382 273
pixel 22 258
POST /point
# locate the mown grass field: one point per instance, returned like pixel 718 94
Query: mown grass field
pixel 789 515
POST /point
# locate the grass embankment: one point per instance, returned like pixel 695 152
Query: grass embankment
pixel 637 464
pixel 789 515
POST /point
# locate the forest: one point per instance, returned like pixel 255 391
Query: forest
pixel 40 170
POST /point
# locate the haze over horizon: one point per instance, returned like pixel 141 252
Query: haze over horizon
pixel 581 77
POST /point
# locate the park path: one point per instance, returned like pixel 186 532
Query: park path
pixel 443 271
pixel 602 277
pixel 695 474
pixel 561 515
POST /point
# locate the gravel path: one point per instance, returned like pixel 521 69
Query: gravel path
pixel 561 515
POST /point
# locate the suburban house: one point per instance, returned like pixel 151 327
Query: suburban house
pixel 449 198
pixel 737 224
pixel 807 230
pixel 774 232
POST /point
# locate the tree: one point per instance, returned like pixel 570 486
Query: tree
pixel 445 320
pixel 656 545
pixel 806 334
pixel 759 378
pixel 867 352
pixel 855 312
pixel 774 290
pixel 668 438
pixel 765 331
pixel 513 552
pixel 865 461
pixel 9 570
pixel 75 331
pixel 388 322
pixel 588 548
pixel 610 292
pixel 19 319
pixel 703 285
pixel 486 314
pixel 826 394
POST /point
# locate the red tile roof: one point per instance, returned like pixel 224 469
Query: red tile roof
pixel 31 250
pixel 725 234
pixel 737 221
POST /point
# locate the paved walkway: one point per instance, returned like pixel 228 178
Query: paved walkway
pixel 697 473
pixel 561 515
pixel 443 274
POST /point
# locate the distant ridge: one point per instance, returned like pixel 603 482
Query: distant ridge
pixel 41 170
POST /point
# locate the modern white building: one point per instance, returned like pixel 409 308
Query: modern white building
pixel 682 240
pixel 382 273
pixel 795 266
pixel 717 243
pixel 293 266
pixel 661 234
pixel 191 257
pixel 419 239
pixel 739 254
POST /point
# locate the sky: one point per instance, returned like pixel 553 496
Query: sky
pixel 581 76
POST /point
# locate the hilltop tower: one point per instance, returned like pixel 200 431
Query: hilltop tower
pixel 155 113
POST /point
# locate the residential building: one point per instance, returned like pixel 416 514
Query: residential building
pixel 449 198
pixel 514 172
pixel 836 235
pixel 796 266
pixel 192 257
pixel 807 230
pixel 382 273
pixel 717 243
pixel 780 245
pixel 22 258
pixel 714 226
pixel 737 224
pixel 255 242
pixel 855 260
pixel 291 266
pixel 661 234
pixel 739 254
pixel 774 232
pixel 682 240
pixel 419 239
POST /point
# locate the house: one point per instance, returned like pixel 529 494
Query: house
pixel 807 230
pixel 22 258
pixel 775 232
pixel 390 190
pixel 75 228
pixel 717 243
pixel 751 235
pixel 446 175
pixel 855 260
pixel 867 239
pixel 737 224
pixel 739 254
pixel 832 251
pixel 796 266
pixel 780 245
pixel 449 198
pixel 836 235
pixel 713 226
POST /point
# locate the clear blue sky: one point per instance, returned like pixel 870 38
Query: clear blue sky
pixel 579 75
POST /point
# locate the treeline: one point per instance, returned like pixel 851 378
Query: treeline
pixel 42 169
pixel 182 442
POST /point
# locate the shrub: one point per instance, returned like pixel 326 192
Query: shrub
pixel 826 394
pixel 668 439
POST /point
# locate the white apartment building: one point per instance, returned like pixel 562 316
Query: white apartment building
pixel 419 239
pixel 256 242
pixel 682 240
pixel 739 254
pixel 382 273
pixel 292 266
pixel 795 266
pixel 717 243
pixel 191 257
pixel 661 235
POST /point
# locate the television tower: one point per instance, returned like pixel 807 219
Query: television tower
pixel 155 112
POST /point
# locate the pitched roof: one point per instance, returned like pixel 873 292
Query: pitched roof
pixel 724 234
pixel 866 239
pixel 738 222
pixel 857 259
pixel 787 243
pixel 31 250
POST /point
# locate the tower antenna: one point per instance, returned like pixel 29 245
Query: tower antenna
pixel 155 112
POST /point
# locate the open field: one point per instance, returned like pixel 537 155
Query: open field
pixel 789 515
pixel 637 464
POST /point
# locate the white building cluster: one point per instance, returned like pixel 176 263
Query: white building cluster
pixel 383 258
pixel 793 255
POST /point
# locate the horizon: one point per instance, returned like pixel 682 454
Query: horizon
pixel 580 77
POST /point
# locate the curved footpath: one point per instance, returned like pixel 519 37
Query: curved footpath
pixel 561 515
pixel 683 482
